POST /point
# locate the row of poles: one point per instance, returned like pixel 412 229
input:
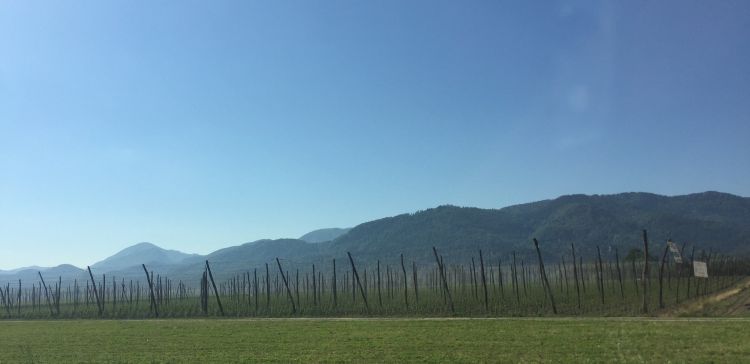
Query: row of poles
pixel 357 285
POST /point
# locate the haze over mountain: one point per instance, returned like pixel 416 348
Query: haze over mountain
pixel 31 275
pixel 710 220
pixel 16 270
pixel 321 235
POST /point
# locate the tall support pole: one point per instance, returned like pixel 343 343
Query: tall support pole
pixel 414 278
pixel 619 273
pixel 286 283
pixel 544 276
pixel 484 281
pixel 380 297
pixel 645 275
pixel 93 283
pixel 575 275
pixel 151 289
pixel 216 291
pixel 334 284
pixel 268 289
pixel 406 285
pixel 445 282
pixel 46 294
pixel 356 275
pixel 601 274
pixel 661 277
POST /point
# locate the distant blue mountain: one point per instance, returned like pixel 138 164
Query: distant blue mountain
pixel 142 253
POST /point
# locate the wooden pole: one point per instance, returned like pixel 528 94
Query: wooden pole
pixel 314 287
pixel 581 274
pixel 473 278
pixel 661 277
pixel 601 274
pixel 523 278
pixel 414 278
pixel 334 284
pixel 356 275
pixel 256 291
pixel 565 275
pixel 635 276
pixel 288 291
pixel 57 298
pixel 445 282
pixel 6 302
pixel 406 286
pixel 645 276
pixel 500 277
pixel 46 294
pixel 484 282
pixel 691 270
pixel 204 292
pixel 575 275
pixel 619 273
pixel 515 279
pixel 216 291
pixel 151 289
pixel 268 288
pixel 544 276
pixel 380 298
pixel 93 283
pixel 679 274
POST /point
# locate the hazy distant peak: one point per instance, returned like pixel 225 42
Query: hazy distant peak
pixel 141 253
pixel 65 266
pixel 141 246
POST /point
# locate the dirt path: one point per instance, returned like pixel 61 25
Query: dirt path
pixel 733 301
pixel 741 303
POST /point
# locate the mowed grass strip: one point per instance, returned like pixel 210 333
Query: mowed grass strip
pixel 505 340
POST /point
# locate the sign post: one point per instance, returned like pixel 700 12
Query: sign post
pixel 700 269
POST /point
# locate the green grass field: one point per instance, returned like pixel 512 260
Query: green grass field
pixel 365 340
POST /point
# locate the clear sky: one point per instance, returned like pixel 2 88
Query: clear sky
pixel 198 125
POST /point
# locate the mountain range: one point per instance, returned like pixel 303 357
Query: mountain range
pixel 710 221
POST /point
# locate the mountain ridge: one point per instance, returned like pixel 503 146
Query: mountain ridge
pixel 711 220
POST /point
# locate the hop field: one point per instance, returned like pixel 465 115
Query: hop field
pixel 600 286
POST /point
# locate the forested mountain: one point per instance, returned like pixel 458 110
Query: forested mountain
pixel 710 220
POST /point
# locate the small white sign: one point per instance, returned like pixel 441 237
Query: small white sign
pixel 675 252
pixel 700 269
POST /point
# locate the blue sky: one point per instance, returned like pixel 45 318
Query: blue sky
pixel 198 125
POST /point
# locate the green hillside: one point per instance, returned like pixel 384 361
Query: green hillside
pixel 708 221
